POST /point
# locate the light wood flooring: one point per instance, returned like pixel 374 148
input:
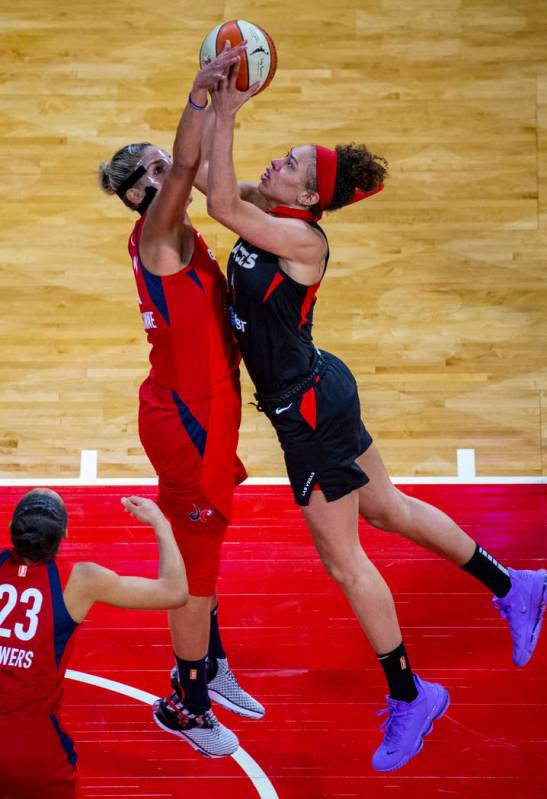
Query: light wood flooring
pixel 435 294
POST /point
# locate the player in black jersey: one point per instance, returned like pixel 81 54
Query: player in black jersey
pixel 311 398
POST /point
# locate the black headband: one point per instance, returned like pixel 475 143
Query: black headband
pixel 130 181
pixel 149 194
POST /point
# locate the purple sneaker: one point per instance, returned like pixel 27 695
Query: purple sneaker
pixel 407 723
pixel 523 608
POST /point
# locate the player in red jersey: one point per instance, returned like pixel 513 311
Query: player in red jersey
pixel 311 398
pixel 42 601
pixel 189 407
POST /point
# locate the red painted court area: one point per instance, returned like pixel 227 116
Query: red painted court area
pixel 294 643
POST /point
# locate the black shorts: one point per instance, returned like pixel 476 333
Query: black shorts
pixel 318 424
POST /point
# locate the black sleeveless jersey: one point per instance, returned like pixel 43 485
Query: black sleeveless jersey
pixel 272 316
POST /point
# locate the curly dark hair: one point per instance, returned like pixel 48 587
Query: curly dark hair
pixel 357 168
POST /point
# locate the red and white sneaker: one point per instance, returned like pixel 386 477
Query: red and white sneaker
pixel 203 731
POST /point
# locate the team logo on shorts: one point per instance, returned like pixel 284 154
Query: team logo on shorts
pixel 198 515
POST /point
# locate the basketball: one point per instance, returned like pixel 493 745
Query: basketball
pixel 259 61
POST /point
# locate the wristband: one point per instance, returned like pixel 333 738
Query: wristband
pixel 195 105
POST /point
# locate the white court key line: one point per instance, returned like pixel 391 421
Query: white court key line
pixel 88 464
pixel 260 780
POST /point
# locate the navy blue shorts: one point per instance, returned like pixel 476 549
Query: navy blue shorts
pixel 318 424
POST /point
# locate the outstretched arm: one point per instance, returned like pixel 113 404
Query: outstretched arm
pixel 247 191
pixel 90 583
pixel 165 227
pixel 286 238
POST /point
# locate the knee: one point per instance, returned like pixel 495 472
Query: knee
pixel 345 573
pixel 393 514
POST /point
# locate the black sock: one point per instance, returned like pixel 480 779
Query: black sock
pixel 399 674
pixel 490 573
pixel 193 684
pixel 216 650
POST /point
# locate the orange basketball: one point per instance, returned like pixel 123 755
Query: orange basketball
pixel 260 59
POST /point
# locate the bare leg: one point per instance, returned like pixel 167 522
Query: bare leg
pixel 387 508
pixel 333 526
pixel 190 627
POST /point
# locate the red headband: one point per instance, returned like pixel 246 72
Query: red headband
pixel 325 170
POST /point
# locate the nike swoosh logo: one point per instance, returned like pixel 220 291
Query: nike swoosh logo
pixel 286 408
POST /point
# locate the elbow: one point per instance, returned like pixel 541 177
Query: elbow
pixel 217 207
pixel 175 594
pixel 177 597
pixel 213 206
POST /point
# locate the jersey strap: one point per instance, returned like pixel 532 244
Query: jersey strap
pixel 63 623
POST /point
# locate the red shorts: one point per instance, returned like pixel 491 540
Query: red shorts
pixel 37 759
pixel 192 448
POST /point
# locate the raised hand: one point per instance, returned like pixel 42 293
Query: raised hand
pixel 227 99
pixel 145 510
pixel 217 69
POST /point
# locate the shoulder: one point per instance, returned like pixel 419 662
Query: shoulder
pixel 86 570
pixel 86 575
pixel 86 583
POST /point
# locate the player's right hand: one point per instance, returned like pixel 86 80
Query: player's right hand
pixel 145 510
pixel 217 69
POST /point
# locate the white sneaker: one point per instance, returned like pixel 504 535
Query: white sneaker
pixel 203 732
pixel 225 690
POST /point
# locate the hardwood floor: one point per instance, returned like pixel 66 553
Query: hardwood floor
pixel 435 294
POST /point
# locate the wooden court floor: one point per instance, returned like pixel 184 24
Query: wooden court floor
pixel 435 293
pixel 294 643
pixel 435 297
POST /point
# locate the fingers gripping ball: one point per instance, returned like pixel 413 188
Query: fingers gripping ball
pixel 258 63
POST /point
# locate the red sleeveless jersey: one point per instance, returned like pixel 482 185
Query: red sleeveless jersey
pixel 36 634
pixel 186 322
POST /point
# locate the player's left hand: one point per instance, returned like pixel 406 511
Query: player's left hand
pixel 227 99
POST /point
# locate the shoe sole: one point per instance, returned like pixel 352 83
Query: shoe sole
pixel 193 744
pixel 437 714
pixel 239 711
pixel 224 702
pixel 536 629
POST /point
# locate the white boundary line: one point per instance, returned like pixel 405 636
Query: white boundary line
pixel 261 783
pixel 14 482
